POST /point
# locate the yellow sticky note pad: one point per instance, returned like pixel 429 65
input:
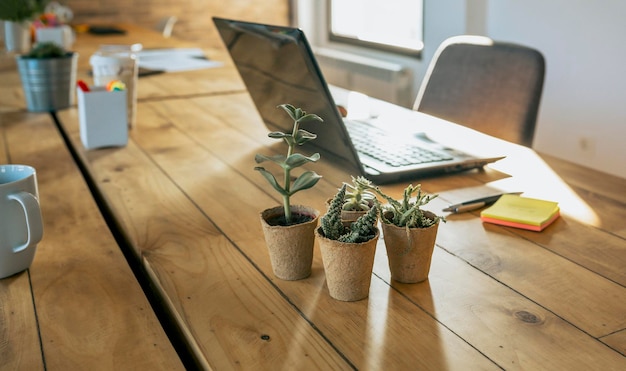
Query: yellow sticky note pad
pixel 521 212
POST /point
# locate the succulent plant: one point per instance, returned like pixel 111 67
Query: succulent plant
pixel 46 49
pixel 406 212
pixel 363 229
pixel 21 10
pixel 291 160
pixel 358 196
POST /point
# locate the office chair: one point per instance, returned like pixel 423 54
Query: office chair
pixel 166 25
pixel 493 87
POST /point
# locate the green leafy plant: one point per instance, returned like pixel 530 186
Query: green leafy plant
pixel 21 10
pixel 358 196
pixel 406 212
pixel 47 49
pixel 291 160
pixel 363 229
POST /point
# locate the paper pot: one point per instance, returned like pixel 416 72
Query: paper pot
pixel 409 252
pixel 290 247
pixel 348 266
pixel 348 216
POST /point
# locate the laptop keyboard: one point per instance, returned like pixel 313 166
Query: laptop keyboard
pixel 377 144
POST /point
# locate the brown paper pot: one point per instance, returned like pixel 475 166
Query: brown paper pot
pixel 348 216
pixel 348 267
pixel 409 255
pixel 291 247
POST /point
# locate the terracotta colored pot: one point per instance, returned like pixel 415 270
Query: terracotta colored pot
pixel 290 247
pixel 348 266
pixel 409 252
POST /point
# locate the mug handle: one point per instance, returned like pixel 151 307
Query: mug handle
pixel 34 222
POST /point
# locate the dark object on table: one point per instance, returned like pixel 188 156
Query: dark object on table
pixel 106 30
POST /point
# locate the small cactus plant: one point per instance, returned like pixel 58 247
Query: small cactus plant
pixel 46 49
pixel 360 231
pixel 406 213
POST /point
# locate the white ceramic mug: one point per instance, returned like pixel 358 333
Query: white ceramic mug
pixel 21 225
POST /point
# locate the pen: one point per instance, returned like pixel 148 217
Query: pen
pixel 81 84
pixel 476 204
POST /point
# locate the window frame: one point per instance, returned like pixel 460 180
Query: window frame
pixel 398 50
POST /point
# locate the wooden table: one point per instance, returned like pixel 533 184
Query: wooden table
pixel 79 306
pixel 185 200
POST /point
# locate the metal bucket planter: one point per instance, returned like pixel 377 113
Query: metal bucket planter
pixel 48 83
pixel 290 247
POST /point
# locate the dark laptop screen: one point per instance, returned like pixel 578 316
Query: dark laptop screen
pixel 277 66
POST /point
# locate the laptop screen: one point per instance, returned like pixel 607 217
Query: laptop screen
pixel 277 67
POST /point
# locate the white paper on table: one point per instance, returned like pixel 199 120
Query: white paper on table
pixel 175 59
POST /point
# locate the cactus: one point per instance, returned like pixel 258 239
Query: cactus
pixel 363 229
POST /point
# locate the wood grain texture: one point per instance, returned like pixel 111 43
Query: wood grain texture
pixel 221 176
pixel 92 312
pixel 19 337
pixel 551 276
pixel 496 298
pixel 195 266
pixel 617 341
pixel 194 16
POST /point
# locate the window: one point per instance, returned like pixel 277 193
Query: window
pixel 392 25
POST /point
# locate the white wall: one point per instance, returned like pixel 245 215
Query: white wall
pixel 582 116
pixel 583 112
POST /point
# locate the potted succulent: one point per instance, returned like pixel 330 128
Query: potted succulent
pixel 48 75
pixel 409 233
pixel 358 199
pixel 18 16
pixel 289 229
pixel 347 251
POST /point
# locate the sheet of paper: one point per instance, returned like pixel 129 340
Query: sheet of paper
pixel 175 59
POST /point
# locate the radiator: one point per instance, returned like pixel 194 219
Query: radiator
pixel 380 79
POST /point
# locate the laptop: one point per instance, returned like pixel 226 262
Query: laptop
pixel 277 66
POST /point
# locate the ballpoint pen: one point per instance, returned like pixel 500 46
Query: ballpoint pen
pixel 476 204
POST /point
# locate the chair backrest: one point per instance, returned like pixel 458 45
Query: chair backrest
pixel 166 25
pixel 493 87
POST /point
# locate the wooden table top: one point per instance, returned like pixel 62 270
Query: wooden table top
pixel 79 306
pixel 186 200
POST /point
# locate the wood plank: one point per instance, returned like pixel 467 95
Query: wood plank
pixel 4 151
pixel 12 97
pixel 92 312
pixel 564 287
pixel 19 339
pixel 517 333
pixel 616 341
pixel 20 348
